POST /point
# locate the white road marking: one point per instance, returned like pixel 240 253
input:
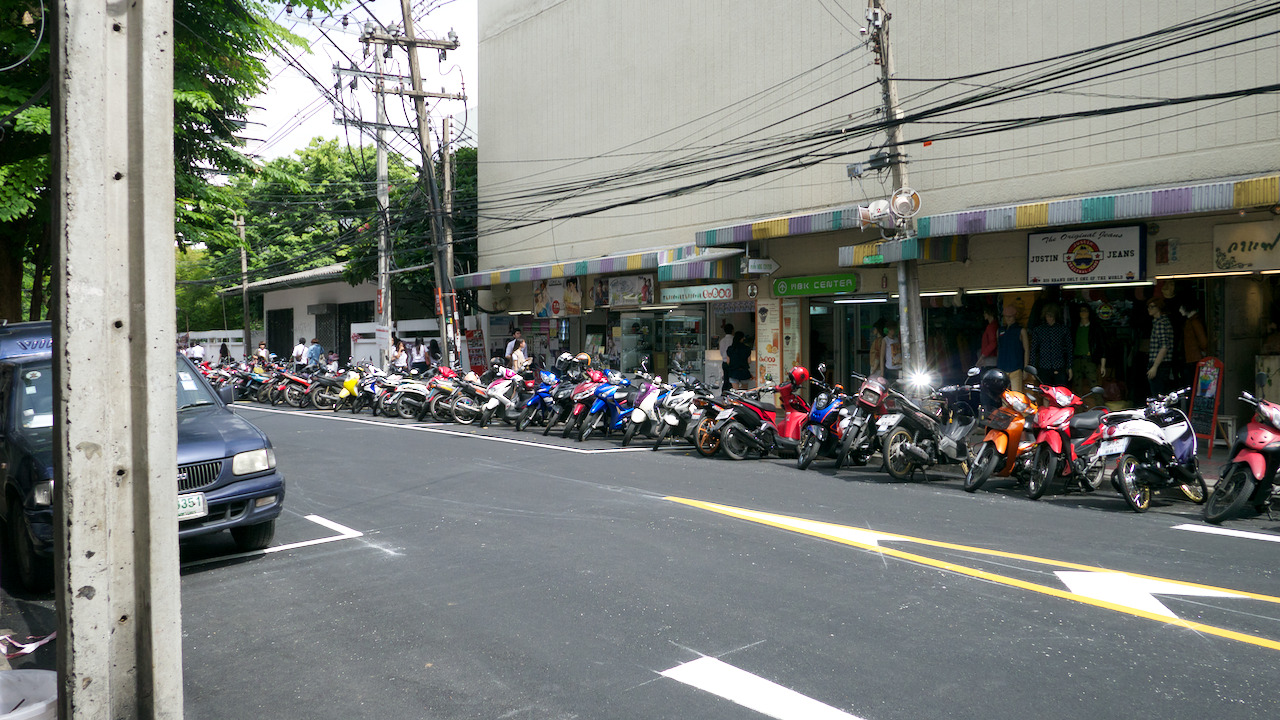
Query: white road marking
pixel 753 691
pixel 435 428
pixel 344 533
pixel 1211 530
pixel 1132 592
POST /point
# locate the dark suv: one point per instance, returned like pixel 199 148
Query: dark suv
pixel 226 475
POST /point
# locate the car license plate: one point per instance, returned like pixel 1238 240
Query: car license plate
pixel 192 506
pixel 1113 447
pixel 887 421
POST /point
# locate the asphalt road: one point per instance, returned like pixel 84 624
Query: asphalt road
pixel 433 572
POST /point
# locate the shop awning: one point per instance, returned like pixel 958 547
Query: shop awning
pixel 685 262
pixel 304 278
pixel 953 248
pixel 1231 194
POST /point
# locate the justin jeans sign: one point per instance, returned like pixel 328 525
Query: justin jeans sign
pixel 1078 256
pixel 816 285
pixel 699 293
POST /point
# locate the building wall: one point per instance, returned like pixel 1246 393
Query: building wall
pixel 581 89
pixel 336 293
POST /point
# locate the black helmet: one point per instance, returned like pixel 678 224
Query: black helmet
pixel 994 382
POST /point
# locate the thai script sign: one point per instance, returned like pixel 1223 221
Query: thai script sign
pixel 1247 246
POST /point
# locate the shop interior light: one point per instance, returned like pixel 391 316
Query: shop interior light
pixel 1270 272
pixel 861 301
pixel 519 312
pixel 940 293
pixel 1203 275
pixel 1091 286
pixel 986 291
pixel 659 307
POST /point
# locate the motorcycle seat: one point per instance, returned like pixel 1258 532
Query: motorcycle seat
pixel 1084 423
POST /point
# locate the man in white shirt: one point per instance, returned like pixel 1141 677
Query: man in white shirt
pixel 515 335
pixel 196 353
pixel 300 352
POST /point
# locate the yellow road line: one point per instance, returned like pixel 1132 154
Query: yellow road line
pixel 789 523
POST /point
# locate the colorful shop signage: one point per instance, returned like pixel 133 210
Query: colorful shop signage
pixel 1092 256
pixel 557 298
pixel 631 290
pixel 697 293
pixel 1247 246
pixel 816 285
pixel 768 341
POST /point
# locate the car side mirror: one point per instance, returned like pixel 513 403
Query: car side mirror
pixel 227 395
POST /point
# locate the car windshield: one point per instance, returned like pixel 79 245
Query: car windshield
pixel 35 396
pixel 192 390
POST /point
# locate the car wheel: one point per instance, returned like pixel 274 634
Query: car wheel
pixel 33 572
pixel 254 537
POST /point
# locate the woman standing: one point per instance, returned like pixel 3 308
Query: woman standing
pixel 400 358
pixel 518 359
pixel 419 356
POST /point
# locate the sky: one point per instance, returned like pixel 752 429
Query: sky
pixel 294 110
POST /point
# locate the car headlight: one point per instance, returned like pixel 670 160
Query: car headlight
pixel 253 461
pixel 42 493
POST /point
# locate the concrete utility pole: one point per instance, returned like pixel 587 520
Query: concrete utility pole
pixel 115 538
pixel 244 283
pixel 910 319
pixel 384 232
pixel 444 269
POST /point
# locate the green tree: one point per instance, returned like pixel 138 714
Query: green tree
pixel 220 48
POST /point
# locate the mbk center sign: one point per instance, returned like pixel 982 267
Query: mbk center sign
pixel 1092 256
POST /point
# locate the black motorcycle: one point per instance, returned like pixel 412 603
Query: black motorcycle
pixel 933 431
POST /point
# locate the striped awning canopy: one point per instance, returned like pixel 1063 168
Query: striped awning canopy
pixel 685 262
pixel 1127 205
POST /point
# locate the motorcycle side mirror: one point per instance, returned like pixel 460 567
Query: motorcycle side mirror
pixel 1260 379
pixel 1031 370
pixel 1096 391
pixel 974 371
pixel 822 368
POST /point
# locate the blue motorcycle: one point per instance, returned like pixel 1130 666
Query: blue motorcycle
pixel 541 406
pixel 826 425
pixel 611 408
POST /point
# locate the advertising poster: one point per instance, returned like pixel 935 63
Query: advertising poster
pixel 561 297
pixel 1079 256
pixel 631 291
pixel 600 293
pixel 790 336
pixel 768 341
pixel 476 356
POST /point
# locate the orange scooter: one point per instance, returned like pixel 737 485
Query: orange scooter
pixel 1005 441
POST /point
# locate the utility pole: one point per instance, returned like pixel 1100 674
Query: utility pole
pixel 444 272
pixel 384 233
pixel 446 158
pixel 115 537
pixel 244 283
pixel 910 319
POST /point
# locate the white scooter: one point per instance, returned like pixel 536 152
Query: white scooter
pixel 503 391
pixel 1156 447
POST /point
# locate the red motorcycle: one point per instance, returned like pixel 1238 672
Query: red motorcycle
pixel 796 409
pixel 584 393
pixel 1066 440
pixel 1255 456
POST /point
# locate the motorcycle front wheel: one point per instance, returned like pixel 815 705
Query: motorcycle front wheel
pixel 589 425
pixel 486 415
pixel 1043 469
pixel 808 450
pixel 662 435
pixel 1230 494
pixel 895 458
pixel 407 406
pixel 525 417
pixel 324 399
pixel 705 439
pixel 629 434
pixel 981 467
pixel 295 395
pixel 732 444
pixel 1137 496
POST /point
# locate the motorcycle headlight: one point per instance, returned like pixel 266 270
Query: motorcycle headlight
pixel 821 401
pixel 1016 401
pixel 253 461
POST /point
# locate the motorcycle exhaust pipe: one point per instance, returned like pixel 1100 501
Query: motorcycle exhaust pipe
pixel 916 453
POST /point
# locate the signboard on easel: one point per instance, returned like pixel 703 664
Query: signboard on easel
pixel 1205 394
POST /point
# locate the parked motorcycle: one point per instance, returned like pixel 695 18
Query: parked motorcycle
pixel 1007 447
pixel 611 408
pixel 645 417
pixel 861 440
pixel 681 412
pixel 1250 477
pixel 796 410
pixel 504 393
pixel 919 436
pixel 825 425
pixel 1066 441
pixel 1156 446
pixel 540 406
pixel 747 424
pixel 583 396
